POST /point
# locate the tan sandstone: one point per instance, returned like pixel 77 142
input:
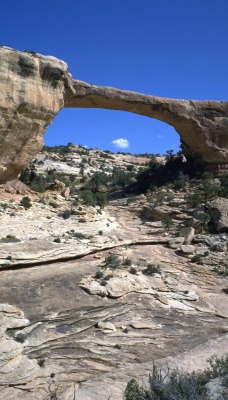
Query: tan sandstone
pixel 34 88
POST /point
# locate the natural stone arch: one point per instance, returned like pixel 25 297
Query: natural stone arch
pixel 33 88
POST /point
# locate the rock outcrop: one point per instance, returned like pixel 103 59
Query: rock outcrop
pixel 32 93
pixel 93 300
pixel 35 87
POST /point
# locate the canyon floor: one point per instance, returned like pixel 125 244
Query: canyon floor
pixel 80 312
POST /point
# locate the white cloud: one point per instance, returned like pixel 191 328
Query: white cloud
pixel 121 143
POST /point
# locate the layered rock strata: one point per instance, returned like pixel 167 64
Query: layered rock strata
pixel 32 93
pixel 35 87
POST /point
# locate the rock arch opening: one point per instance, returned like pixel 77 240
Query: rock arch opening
pixel 97 128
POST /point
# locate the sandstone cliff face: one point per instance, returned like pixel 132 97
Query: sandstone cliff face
pixel 34 88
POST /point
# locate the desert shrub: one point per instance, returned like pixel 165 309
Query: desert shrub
pixel 218 367
pixel 20 337
pixel 158 175
pixel 130 167
pixel 98 179
pixel 103 282
pixel 57 240
pixel 197 259
pixel 133 270
pixel 196 198
pixel 4 206
pixel 10 239
pixel 112 261
pixel 41 362
pixel 127 262
pixel 93 198
pixel 78 235
pixel 98 274
pixel 106 155
pixel 66 214
pixel 160 197
pixel 120 177
pixel 181 182
pixel 179 385
pixel 224 185
pixel 152 269
pixel 100 199
pixel 109 276
pixel 87 197
pixel 167 222
pixel 209 186
pixel 221 269
pixel 26 202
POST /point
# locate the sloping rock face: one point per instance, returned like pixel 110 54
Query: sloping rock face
pixel 34 88
pixel 74 326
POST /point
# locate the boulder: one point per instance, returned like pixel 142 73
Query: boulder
pixel 187 233
pixel 16 187
pixel 218 210
pixel 57 187
pixel 187 249
pixel 176 242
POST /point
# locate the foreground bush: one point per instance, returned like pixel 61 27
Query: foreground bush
pixel 179 385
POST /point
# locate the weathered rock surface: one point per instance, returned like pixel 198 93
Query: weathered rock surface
pixel 82 334
pixel 218 209
pixel 90 346
pixel 34 88
pixel 188 234
pixel 32 93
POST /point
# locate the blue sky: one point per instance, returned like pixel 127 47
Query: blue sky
pixel 168 48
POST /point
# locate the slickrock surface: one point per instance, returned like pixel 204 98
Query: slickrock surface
pixel 78 337
pixel 33 89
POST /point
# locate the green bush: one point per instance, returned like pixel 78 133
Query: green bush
pixel 197 259
pixel 99 275
pixel 152 269
pixel 127 262
pixel 121 178
pixel 26 202
pixel 66 214
pixel 10 239
pixel 195 199
pixel 179 385
pixel 93 198
pixel 133 270
pixel 167 222
pixel 98 179
pixel 224 185
pixel 112 261
pixel 181 182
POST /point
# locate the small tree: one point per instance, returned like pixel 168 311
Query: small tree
pixel 168 222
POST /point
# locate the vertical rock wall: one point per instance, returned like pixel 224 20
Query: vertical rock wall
pixel 32 91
